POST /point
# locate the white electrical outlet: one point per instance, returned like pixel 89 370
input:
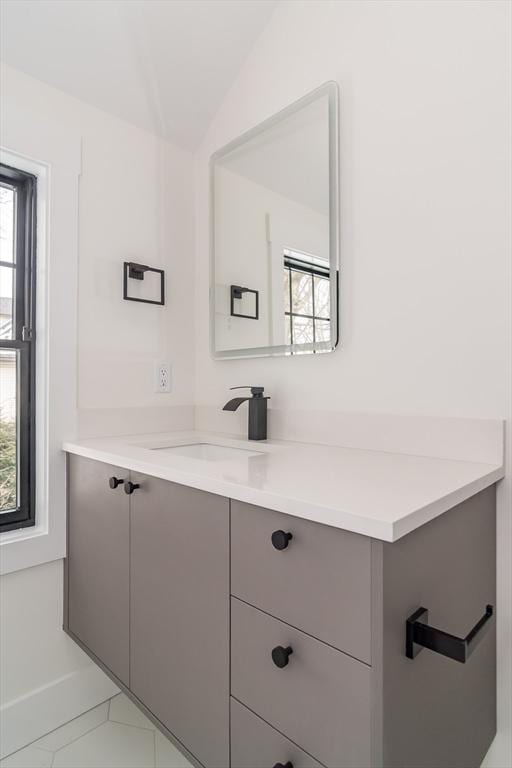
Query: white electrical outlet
pixel 163 377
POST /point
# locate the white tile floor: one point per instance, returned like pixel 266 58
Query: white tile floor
pixel 114 735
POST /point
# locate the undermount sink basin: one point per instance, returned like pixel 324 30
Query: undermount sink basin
pixel 209 452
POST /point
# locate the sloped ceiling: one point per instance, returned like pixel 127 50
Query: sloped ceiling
pixel 164 65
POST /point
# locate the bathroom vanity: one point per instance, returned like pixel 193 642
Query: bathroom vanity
pixel 259 614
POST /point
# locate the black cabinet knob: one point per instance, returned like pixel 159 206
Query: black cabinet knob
pixel 280 539
pixel 281 655
pixel 289 764
pixel 114 482
pixel 129 487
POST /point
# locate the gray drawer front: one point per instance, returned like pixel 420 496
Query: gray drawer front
pixel 321 582
pixel 320 700
pixel 254 744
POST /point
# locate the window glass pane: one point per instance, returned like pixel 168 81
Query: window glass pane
pixel 322 330
pixel 8 447
pixel 322 297
pixel 302 293
pixel 302 330
pixel 287 329
pixel 6 302
pixel 6 224
pixel 286 290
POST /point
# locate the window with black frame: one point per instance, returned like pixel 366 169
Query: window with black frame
pixel 17 340
pixel 306 298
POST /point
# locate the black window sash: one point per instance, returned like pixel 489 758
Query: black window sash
pixel 23 343
pixel 300 265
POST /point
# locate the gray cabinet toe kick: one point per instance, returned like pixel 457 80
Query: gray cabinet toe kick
pixel 254 639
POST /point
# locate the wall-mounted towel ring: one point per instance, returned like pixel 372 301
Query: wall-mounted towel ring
pixel 133 271
pixel 237 293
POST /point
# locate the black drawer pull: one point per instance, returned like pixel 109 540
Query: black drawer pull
pixel 280 539
pixel 286 765
pixel 129 488
pixel 281 655
pixel 114 482
pixel 420 635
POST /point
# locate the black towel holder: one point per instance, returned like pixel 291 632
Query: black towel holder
pixel 419 635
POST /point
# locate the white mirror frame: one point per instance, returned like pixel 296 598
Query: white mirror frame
pixel 331 90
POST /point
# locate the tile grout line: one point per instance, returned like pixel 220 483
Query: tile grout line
pixel 35 745
pixel 127 725
pixel 131 725
pixel 73 741
pixel 121 722
pixel 54 753
pixel 85 733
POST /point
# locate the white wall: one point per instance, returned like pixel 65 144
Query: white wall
pixel 135 203
pixel 45 679
pixel 425 201
pixel 31 604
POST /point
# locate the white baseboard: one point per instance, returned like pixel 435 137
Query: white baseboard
pixel 30 717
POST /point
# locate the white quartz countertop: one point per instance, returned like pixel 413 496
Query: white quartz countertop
pixel 374 493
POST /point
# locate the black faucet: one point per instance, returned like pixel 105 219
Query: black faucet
pixel 257 411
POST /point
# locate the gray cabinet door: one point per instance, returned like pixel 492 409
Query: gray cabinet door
pixel 320 700
pixel 179 657
pixel 98 562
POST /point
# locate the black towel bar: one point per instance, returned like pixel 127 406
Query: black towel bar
pixel 419 635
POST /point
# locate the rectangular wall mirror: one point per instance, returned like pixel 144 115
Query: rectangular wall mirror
pixel 274 234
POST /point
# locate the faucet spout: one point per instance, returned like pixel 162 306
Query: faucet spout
pixel 235 403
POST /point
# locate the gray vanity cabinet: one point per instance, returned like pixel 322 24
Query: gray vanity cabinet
pixel 98 562
pixel 179 620
pixel 257 639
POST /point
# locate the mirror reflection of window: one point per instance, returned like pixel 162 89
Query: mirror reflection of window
pixel 306 298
